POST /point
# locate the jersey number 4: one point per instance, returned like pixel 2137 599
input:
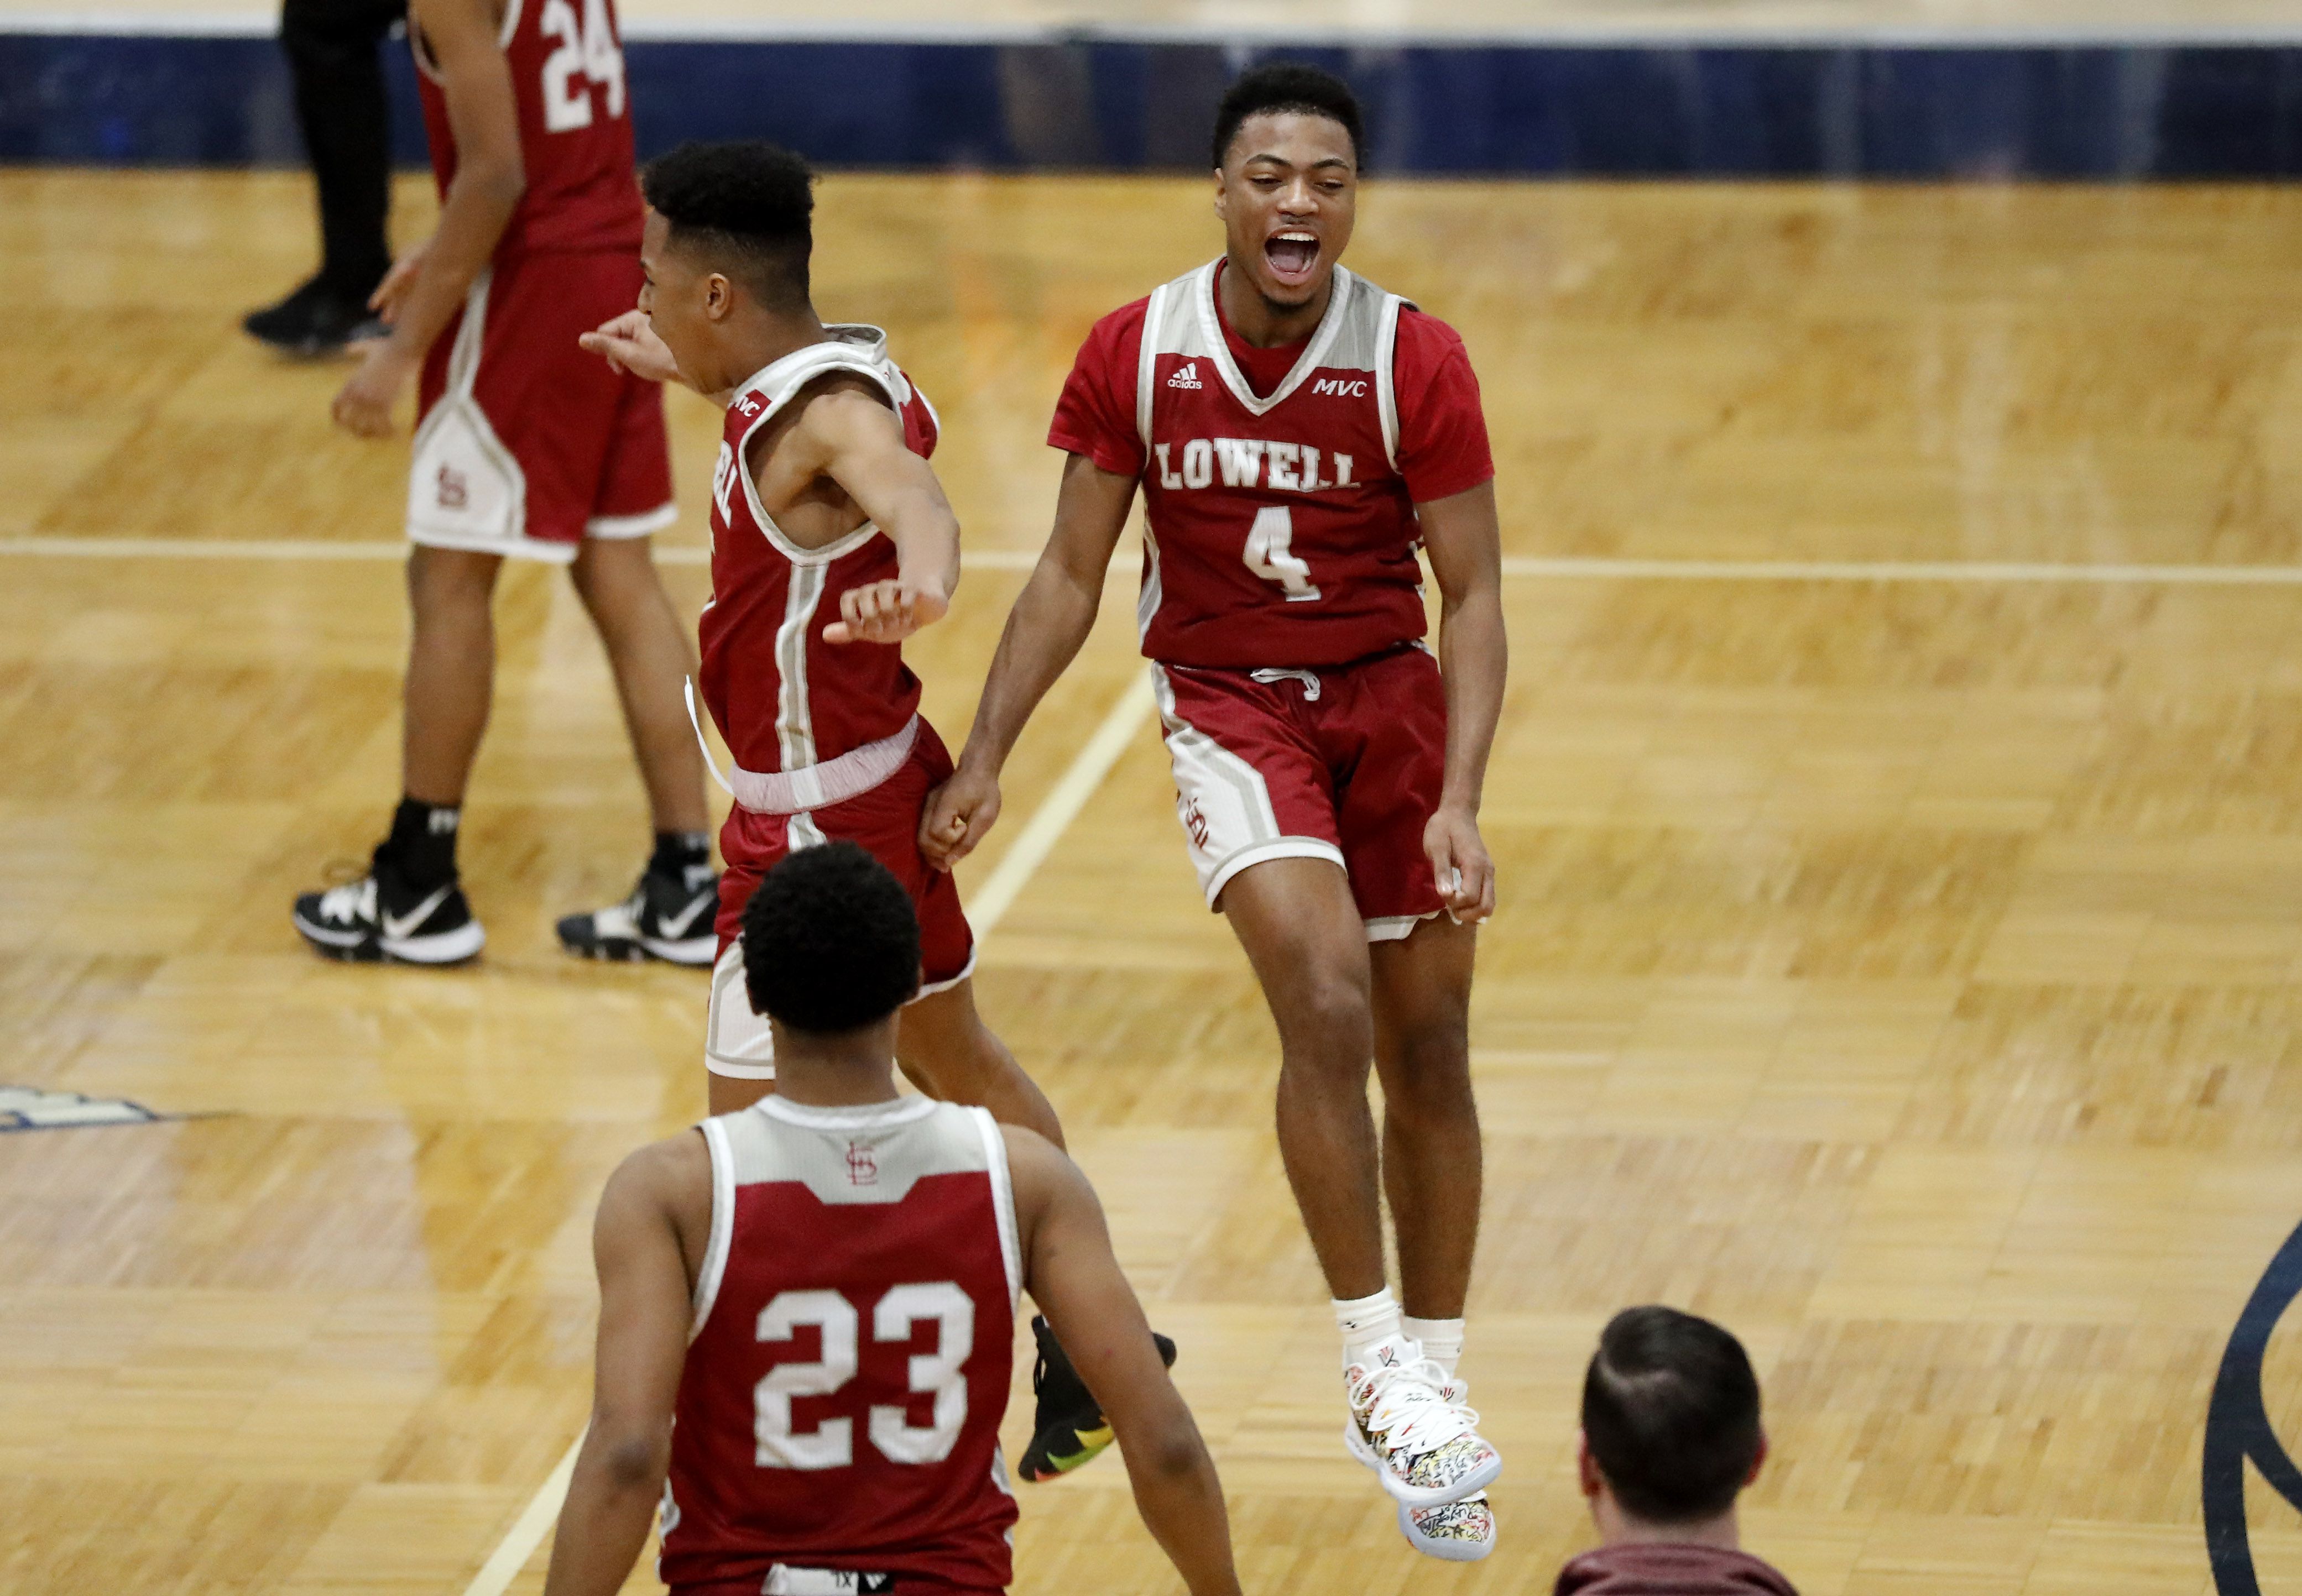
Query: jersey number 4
pixel 1269 553
pixel 587 49
pixel 831 1444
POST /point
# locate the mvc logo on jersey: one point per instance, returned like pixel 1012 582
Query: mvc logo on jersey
pixel 1185 376
pixel 748 405
pixel 863 1164
pixel 454 491
pixel 1340 387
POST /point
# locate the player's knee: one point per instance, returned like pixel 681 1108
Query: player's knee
pixel 1327 1023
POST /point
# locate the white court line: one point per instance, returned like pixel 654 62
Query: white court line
pixel 1522 568
pixel 1029 850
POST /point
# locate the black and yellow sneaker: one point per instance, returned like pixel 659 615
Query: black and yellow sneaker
pixel 1068 1431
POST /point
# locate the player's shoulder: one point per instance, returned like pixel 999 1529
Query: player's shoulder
pixel 1426 334
pixel 663 1174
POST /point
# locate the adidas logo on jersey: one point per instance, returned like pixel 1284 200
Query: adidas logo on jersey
pixel 1185 376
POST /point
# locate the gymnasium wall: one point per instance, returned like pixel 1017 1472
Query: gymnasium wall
pixel 173 88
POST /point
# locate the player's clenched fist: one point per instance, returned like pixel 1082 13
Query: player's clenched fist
pixel 886 612
pixel 958 815
pixel 1465 874
pixel 629 344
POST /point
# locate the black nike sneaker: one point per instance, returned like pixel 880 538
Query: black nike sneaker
pixel 1068 1431
pixel 313 321
pixel 382 919
pixel 669 916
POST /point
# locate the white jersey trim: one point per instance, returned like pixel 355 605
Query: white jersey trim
pixel 857 1116
pixel 1386 377
pixel 723 1225
pixel 1146 358
pixel 777 382
pixel 1314 355
pixel 794 713
pixel 1002 1199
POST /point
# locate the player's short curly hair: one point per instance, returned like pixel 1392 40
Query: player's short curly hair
pixel 830 941
pixel 1284 86
pixel 1670 1408
pixel 743 206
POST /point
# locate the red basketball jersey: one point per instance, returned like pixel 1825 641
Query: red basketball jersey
pixel 566 62
pixel 784 699
pixel 848 1369
pixel 1280 527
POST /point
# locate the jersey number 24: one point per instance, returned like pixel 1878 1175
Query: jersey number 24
pixel 831 1444
pixel 587 49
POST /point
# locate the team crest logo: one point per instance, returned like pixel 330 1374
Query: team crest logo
pixel 29 1108
pixel 2239 1428
pixel 863 1164
pixel 1196 823
pixel 454 491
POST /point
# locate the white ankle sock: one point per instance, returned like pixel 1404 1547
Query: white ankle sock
pixel 1442 1340
pixel 1366 1320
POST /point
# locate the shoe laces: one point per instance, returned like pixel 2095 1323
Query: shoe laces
pixel 352 900
pixel 1407 1404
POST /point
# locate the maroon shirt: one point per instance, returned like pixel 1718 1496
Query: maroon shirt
pixel 1668 1570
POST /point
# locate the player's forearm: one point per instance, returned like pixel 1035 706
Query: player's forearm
pixel 479 206
pixel 1181 1501
pixel 1045 632
pixel 926 546
pixel 1473 660
pixel 611 1500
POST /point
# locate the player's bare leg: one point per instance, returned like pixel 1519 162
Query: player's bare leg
pixel 947 1051
pixel 667 914
pixel 451 669
pixel 650 653
pixel 410 907
pixel 1303 935
pixel 1430 1150
pixel 1430 1171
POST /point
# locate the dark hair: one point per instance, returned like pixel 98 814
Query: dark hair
pixel 1288 86
pixel 1671 1410
pixel 744 206
pixel 830 941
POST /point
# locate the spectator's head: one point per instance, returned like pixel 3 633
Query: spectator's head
pixel 728 226
pixel 1670 1423
pixel 831 944
pixel 1286 147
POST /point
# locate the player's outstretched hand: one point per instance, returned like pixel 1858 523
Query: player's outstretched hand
pixel 628 343
pixel 958 815
pixel 364 405
pixel 1458 859
pixel 886 612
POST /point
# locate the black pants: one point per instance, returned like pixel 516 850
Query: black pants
pixel 332 47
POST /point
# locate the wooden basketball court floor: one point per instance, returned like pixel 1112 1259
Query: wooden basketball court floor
pixel 1902 970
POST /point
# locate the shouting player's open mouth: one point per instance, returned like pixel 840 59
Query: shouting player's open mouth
pixel 1291 255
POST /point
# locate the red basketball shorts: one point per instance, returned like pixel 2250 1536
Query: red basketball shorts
pixel 1343 763
pixel 884 820
pixel 526 444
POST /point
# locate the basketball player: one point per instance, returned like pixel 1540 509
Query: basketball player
pixel 806 1313
pixel 1296 431
pixel 526 448
pixel 831 541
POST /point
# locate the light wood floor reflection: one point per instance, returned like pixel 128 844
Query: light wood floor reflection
pixel 1904 973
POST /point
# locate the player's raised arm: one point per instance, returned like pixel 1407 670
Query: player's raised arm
pixel 461 37
pixel 642 1348
pixel 1465 542
pixel 860 442
pixel 1052 617
pixel 1069 1269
